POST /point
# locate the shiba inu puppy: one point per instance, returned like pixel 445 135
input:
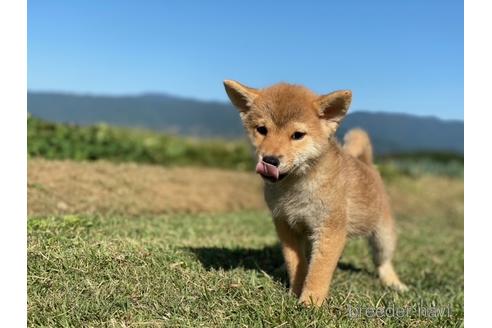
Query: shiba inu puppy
pixel 319 192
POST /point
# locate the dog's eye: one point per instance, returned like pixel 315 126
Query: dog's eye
pixel 298 135
pixel 262 130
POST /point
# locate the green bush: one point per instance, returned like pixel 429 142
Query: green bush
pixel 418 164
pixel 64 141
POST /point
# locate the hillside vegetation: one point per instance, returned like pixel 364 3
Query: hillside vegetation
pixel 103 142
pixel 95 142
pixel 161 112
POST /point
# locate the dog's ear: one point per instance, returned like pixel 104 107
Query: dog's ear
pixel 333 107
pixel 240 95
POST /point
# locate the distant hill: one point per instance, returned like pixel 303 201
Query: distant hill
pixel 391 133
pixel 399 133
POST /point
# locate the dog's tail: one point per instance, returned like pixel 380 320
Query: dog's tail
pixel 357 143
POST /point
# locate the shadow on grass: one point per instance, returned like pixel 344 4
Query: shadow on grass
pixel 268 260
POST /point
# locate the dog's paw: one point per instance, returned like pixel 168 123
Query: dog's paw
pixel 389 278
pixel 308 299
pixel 396 285
pixel 399 286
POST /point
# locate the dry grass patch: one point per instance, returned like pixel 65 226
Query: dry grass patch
pixel 68 187
pixel 63 187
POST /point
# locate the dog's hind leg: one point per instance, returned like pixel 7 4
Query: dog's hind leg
pixel 383 243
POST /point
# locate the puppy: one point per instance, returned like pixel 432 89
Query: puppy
pixel 319 193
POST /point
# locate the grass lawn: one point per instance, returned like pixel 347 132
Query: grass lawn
pixel 226 270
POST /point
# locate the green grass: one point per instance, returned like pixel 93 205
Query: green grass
pixel 224 271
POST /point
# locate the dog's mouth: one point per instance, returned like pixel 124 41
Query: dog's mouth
pixel 271 179
pixel 269 172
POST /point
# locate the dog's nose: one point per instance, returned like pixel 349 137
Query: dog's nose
pixel 273 160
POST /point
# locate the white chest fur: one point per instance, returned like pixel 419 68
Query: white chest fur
pixel 299 203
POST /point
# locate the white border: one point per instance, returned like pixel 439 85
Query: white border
pixel 478 165
pixel 13 235
pixel 478 108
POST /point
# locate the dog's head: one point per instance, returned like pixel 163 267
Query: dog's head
pixel 289 125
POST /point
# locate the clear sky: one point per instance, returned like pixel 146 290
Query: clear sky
pixel 398 56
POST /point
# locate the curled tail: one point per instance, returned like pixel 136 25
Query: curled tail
pixel 358 144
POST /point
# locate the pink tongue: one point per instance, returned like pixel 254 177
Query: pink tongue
pixel 267 170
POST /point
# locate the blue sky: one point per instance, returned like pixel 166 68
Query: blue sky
pixel 396 56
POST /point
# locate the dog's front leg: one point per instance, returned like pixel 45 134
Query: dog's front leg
pixel 293 251
pixel 327 246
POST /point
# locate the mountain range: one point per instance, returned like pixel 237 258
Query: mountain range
pixel 390 132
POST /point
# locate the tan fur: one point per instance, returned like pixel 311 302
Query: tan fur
pixel 357 143
pixel 328 193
